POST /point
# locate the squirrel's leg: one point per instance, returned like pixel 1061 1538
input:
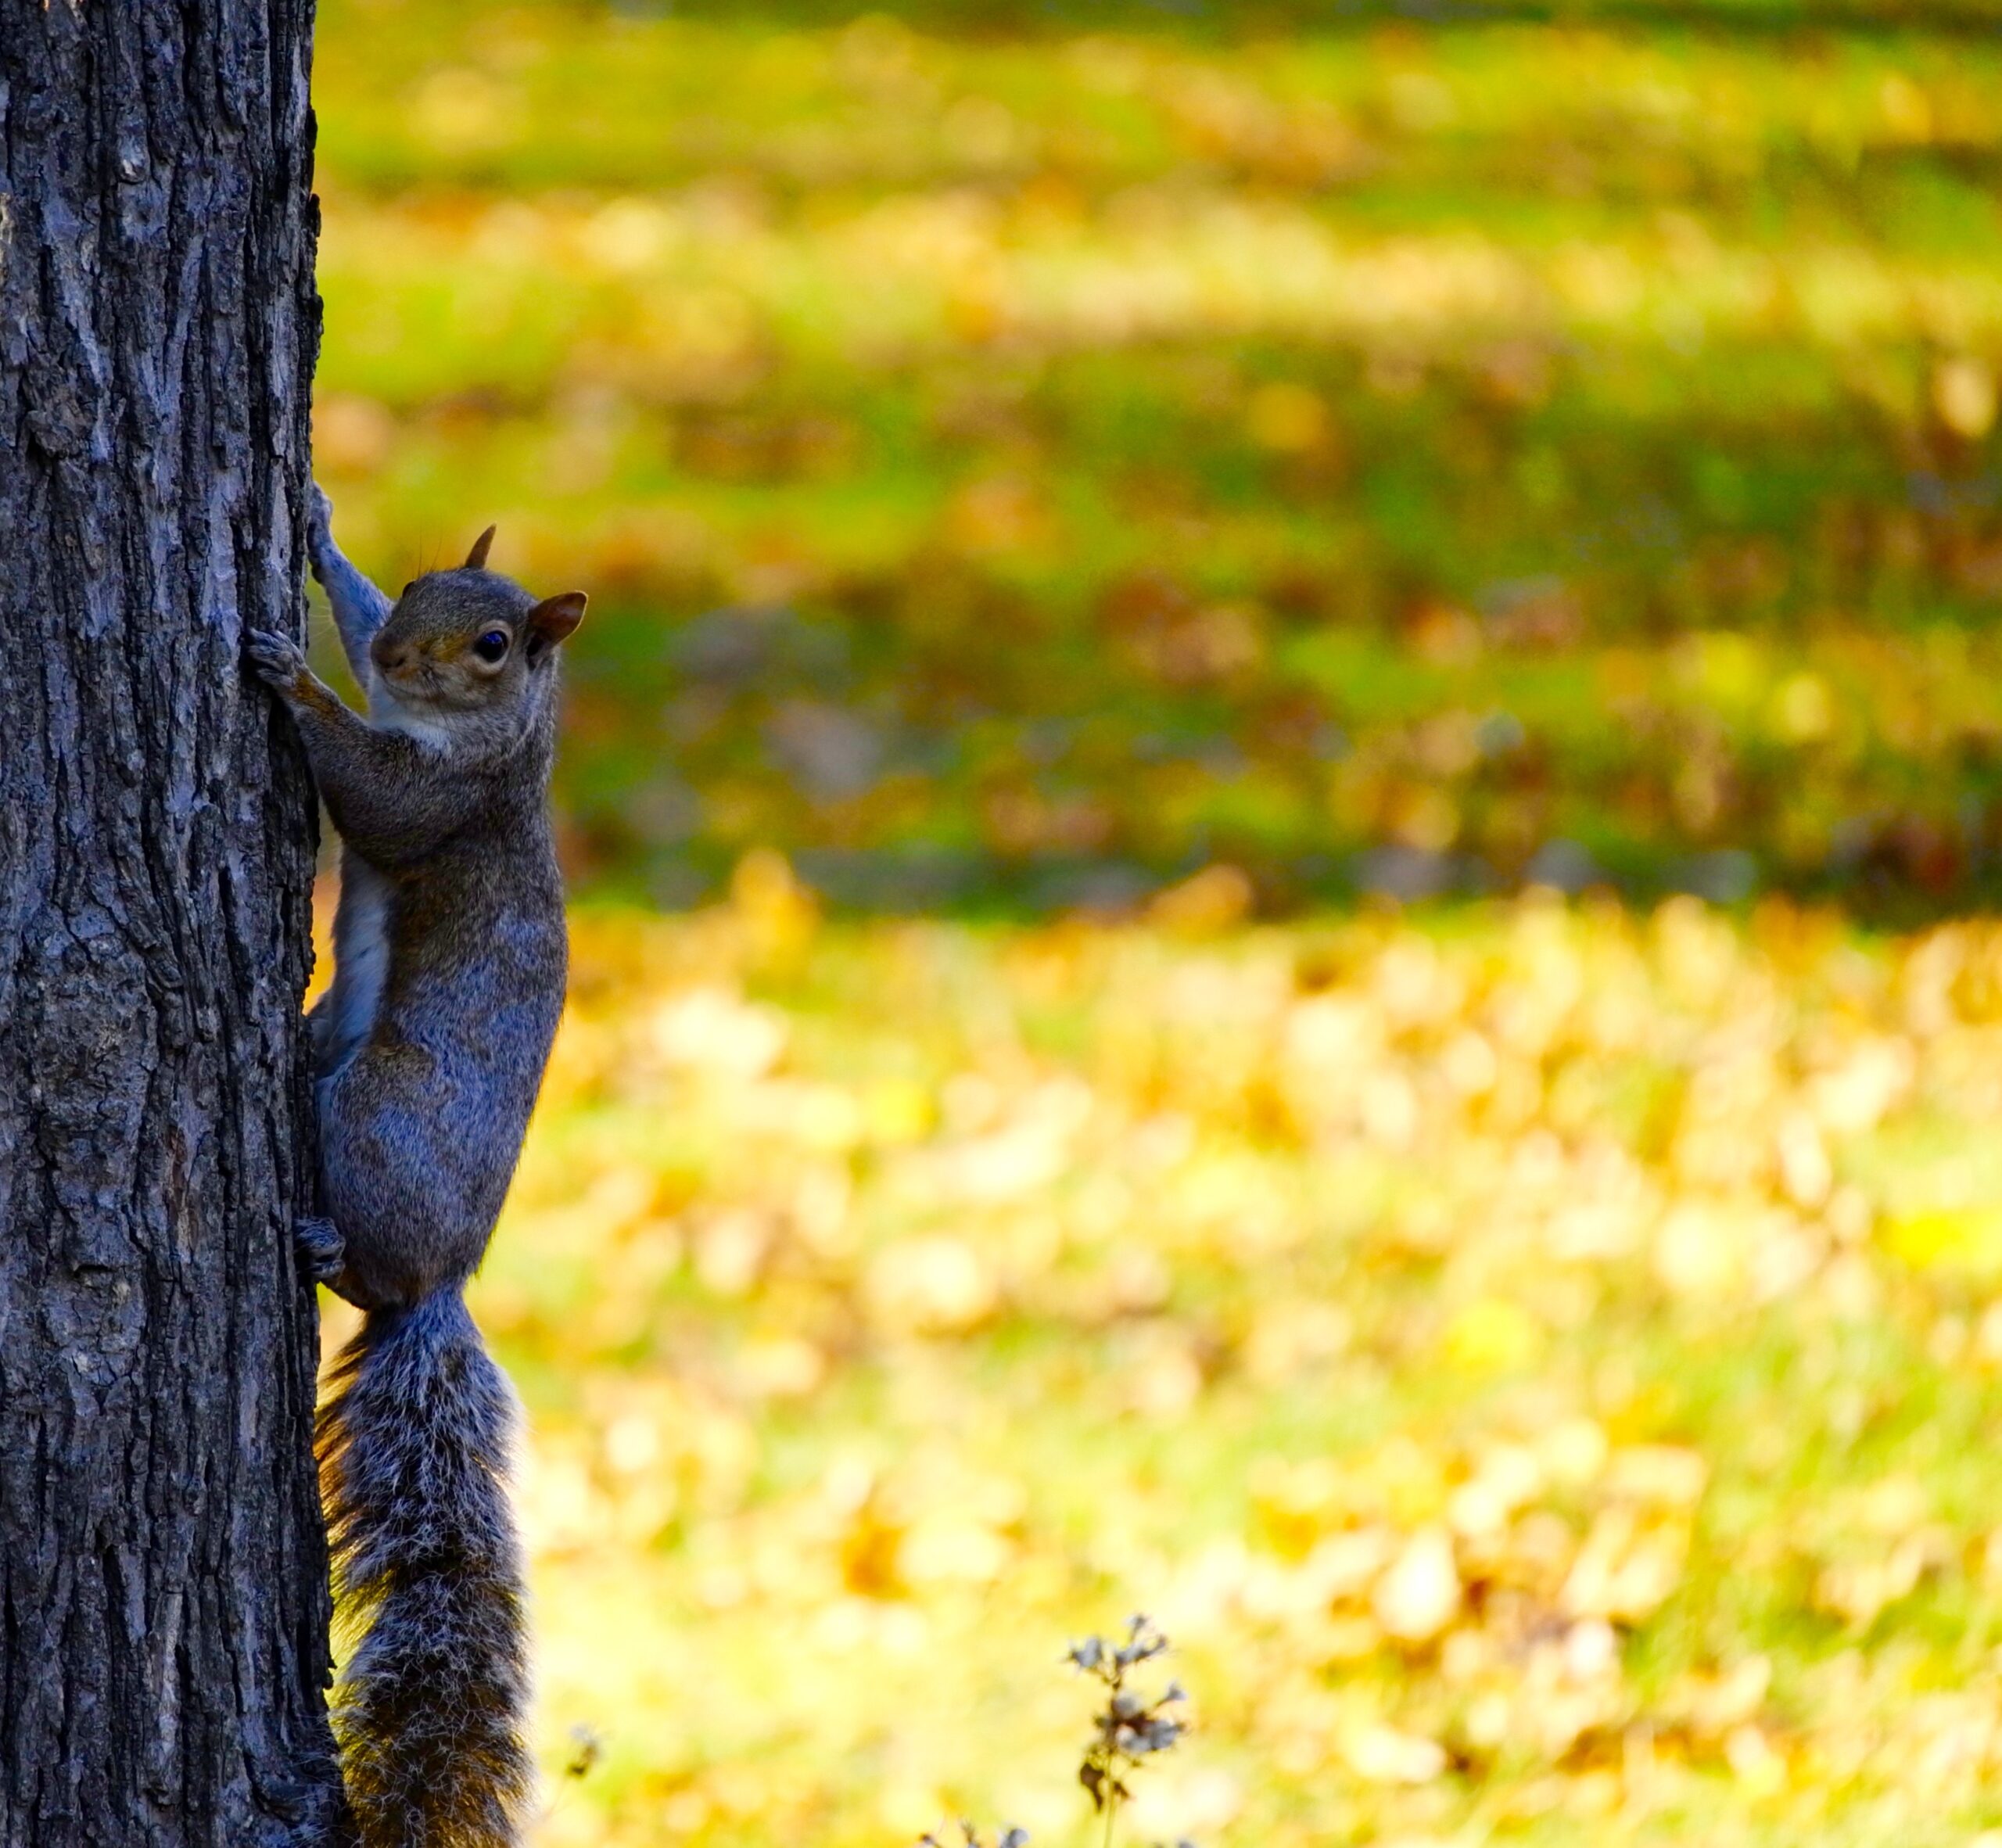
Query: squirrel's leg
pixel 390 807
pixel 360 609
pixel 393 1174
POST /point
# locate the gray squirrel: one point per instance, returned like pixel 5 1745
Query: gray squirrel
pixel 428 1049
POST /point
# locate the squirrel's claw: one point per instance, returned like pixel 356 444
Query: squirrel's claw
pixel 322 1247
pixel 278 660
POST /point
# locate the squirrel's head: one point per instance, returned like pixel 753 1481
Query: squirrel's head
pixel 470 640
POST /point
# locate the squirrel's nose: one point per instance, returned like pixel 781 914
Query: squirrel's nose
pixel 390 658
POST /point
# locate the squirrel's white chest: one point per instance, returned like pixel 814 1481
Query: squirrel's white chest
pixel 387 713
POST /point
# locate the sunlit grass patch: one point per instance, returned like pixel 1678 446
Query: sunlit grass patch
pixel 1493 1344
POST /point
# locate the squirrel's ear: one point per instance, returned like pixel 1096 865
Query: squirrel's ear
pixel 555 619
pixel 476 558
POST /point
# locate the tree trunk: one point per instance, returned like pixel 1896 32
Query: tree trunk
pixel 163 1608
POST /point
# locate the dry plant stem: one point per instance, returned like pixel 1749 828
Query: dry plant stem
pixel 1129 1729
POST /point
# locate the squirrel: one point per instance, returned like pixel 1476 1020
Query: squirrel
pixel 450 956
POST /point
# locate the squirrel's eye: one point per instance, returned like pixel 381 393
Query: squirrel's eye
pixel 492 646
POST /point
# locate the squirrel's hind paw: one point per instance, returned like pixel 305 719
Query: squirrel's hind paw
pixel 322 1247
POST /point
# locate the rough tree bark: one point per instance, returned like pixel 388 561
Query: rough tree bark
pixel 163 1608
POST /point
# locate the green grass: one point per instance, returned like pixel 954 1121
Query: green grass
pixel 1165 443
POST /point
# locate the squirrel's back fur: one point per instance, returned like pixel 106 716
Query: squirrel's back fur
pixel 414 1443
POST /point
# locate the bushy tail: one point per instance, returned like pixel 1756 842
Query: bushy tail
pixel 414 1446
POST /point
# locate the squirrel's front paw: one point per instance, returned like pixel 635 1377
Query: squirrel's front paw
pixel 278 660
pixel 319 528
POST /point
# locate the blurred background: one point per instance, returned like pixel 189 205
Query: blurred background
pixel 1279 794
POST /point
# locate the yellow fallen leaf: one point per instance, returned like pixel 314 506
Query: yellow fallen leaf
pixel 1493 1335
pixel 1383 1755
pixel 1419 1595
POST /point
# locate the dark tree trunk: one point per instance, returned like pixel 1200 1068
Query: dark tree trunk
pixel 163 1607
